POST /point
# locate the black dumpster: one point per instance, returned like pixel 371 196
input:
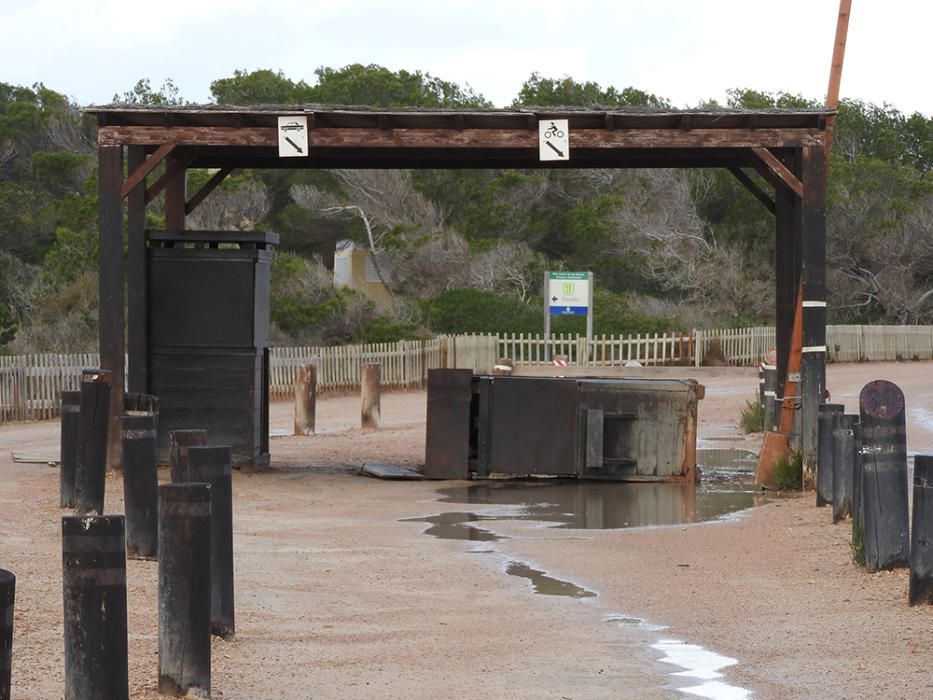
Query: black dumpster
pixel 207 354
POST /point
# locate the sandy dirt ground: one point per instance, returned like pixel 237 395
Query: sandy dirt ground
pixel 337 597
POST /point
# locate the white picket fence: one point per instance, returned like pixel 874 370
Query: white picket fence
pixel 602 351
pixel 404 364
pixel 31 385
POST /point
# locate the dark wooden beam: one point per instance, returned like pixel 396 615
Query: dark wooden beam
pixel 466 138
pixel 139 172
pixel 773 170
pixel 175 194
pixel 110 284
pixel 174 164
pixel 137 327
pixel 206 189
pixel 753 187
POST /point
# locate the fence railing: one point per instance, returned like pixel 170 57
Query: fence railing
pixel 31 385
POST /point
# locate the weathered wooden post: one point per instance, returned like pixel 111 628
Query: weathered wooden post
pixel 71 414
pixel 305 399
pixel 141 485
pixel 884 475
pixel 184 589
pixel 91 467
pixel 858 503
pixel 7 596
pixel 94 583
pixel 212 465
pixel 826 423
pixel 843 466
pixel 921 540
pixel 178 443
pixel 369 389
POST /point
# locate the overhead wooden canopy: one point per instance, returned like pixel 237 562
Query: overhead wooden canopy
pixel 234 137
pixel 786 148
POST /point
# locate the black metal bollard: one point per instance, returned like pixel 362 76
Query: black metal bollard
pixel 212 465
pixel 921 539
pixel 184 588
pixel 71 416
pixel 94 583
pixel 91 467
pixel 141 485
pixel 7 596
pixel 843 466
pixel 178 443
pixel 884 476
pixel 826 423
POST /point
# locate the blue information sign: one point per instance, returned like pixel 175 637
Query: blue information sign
pixel 568 310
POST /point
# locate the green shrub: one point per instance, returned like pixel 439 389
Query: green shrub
pixel 753 417
pixel 788 474
pixel 475 311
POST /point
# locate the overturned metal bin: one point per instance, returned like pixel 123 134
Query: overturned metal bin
pixel 615 429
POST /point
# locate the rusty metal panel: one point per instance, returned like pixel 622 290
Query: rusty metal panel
pixel 447 442
pixel 534 428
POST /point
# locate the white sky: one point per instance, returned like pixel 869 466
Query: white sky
pixel 685 50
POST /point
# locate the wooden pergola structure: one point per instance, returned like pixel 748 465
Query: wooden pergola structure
pixel 786 148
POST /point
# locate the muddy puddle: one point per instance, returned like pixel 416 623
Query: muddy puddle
pixel 726 487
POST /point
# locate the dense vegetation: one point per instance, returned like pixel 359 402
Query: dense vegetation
pixel 465 250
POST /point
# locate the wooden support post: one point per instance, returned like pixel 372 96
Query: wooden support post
pixel 70 426
pixel 137 286
pixel 829 413
pixel 91 467
pixel 178 443
pixel 175 192
pixel 7 597
pixel 141 486
pixel 921 540
pixel 305 399
pixel 111 287
pixel 94 583
pixel 813 357
pixel 185 589
pixel 213 465
pixel 843 465
pixel 884 475
pixel 370 413
pixel 786 280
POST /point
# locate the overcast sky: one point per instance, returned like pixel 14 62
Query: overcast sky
pixel 685 50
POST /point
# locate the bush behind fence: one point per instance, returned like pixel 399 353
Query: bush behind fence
pixel 30 385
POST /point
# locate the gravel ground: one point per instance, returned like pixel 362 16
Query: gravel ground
pixel 337 598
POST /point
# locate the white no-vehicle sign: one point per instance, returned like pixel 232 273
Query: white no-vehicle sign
pixel 293 137
pixel 554 139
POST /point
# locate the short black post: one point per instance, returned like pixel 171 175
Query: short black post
pixel 71 415
pixel 178 443
pixel 843 466
pixel 7 596
pixel 213 465
pixel 858 503
pixel 884 476
pixel 184 588
pixel 141 485
pixel 91 468
pixel 826 423
pixel 921 539
pixel 94 583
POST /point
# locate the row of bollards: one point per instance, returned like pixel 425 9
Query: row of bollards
pixel 862 473
pixel 187 525
pixel 306 394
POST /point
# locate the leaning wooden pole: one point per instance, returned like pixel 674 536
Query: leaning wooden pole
pixel 835 69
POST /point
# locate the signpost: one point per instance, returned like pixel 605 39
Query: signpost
pixel 554 139
pixel 568 294
pixel 293 137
